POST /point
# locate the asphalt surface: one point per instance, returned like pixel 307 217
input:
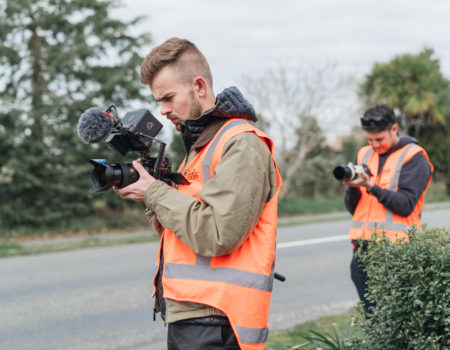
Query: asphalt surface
pixel 99 298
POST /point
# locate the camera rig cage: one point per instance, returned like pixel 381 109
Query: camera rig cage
pixel 135 132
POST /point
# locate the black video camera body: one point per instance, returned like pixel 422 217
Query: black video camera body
pixel 135 132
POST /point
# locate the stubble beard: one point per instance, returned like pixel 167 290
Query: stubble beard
pixel 194 112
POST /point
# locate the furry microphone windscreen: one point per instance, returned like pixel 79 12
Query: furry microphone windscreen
pixel 94 125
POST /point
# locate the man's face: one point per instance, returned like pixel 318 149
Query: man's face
pixel 382 141
pixel 177 98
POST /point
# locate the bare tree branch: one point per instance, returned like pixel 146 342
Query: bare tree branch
pixel 291 101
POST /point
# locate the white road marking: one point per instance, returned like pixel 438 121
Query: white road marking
pixel 313 241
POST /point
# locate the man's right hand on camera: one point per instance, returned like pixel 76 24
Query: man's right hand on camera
pixel 136 190
pixel 363 179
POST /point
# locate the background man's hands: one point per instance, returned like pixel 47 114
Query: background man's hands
pixel 136 190
pixel 361 180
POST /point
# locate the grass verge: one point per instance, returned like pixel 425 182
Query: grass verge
pixel 331 204
pixel 8 249
pixel 128 220
pixel 295 337
pixel 301 206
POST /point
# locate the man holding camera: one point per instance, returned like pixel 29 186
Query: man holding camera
pixel 217 250
pixel 389 197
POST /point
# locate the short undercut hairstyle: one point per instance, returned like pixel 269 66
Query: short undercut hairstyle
pixel 182 54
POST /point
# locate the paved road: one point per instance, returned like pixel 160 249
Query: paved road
pixel 99 298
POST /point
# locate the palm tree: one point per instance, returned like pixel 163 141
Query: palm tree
pixel 411 84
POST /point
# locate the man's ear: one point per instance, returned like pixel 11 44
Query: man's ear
pixel 200 86
pixel 394 129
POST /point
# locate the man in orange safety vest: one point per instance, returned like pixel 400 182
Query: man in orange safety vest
pixel 215 264
pixel 389 195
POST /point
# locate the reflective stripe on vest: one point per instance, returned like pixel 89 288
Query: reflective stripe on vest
pixel 389 224
pixel 367 156
pixel 203 272
pixel 206 166
pixel 253 335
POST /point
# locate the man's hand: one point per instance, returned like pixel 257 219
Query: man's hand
pixel 361 180
pixel 136 190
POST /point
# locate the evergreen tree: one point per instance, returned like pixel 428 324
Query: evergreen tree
pixel 57 58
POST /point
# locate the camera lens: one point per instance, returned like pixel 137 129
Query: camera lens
pixel 106 175
pixel 344 172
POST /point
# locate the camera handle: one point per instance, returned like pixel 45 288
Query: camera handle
pixel 160 155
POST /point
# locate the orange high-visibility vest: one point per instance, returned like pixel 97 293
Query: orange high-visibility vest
pixel 238 284
pixel 372 216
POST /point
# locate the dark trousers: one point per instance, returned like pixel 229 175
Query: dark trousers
pixel 359 278
pixel 183 336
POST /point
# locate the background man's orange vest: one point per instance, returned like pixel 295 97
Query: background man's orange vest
pixel 372 216
pixel 238 284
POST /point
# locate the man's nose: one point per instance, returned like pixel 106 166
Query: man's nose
pixel 164 109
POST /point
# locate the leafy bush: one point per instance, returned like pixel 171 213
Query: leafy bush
pixel 409 286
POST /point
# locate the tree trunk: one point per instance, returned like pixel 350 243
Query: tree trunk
pixel 34 46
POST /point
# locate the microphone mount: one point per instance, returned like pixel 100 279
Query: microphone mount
pixel 111 113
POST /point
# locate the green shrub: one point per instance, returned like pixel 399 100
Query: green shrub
pixel 409 287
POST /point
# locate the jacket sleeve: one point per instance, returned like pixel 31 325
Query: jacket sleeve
pixel 412 182
pixel 231 202
pixel 153 220
pixel 351 199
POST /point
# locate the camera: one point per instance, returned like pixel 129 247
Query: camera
pixel 135 132
pixel 346 172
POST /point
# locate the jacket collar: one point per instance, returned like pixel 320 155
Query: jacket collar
pixel 230 103
pixel 403 141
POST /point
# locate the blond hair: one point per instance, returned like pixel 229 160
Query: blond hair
pixel 182 54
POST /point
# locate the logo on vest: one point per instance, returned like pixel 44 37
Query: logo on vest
pixel 191 174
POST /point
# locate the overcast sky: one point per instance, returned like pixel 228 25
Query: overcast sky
pixel 247 37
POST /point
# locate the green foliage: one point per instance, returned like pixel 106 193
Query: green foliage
pixel 414 85
pixel 437 192
pixel 436 140
pixel 325 341
pixel 313 177
pixel 334 328
pixel 130 219
pixel 409 286
pixel 351 144
pixel 58 58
